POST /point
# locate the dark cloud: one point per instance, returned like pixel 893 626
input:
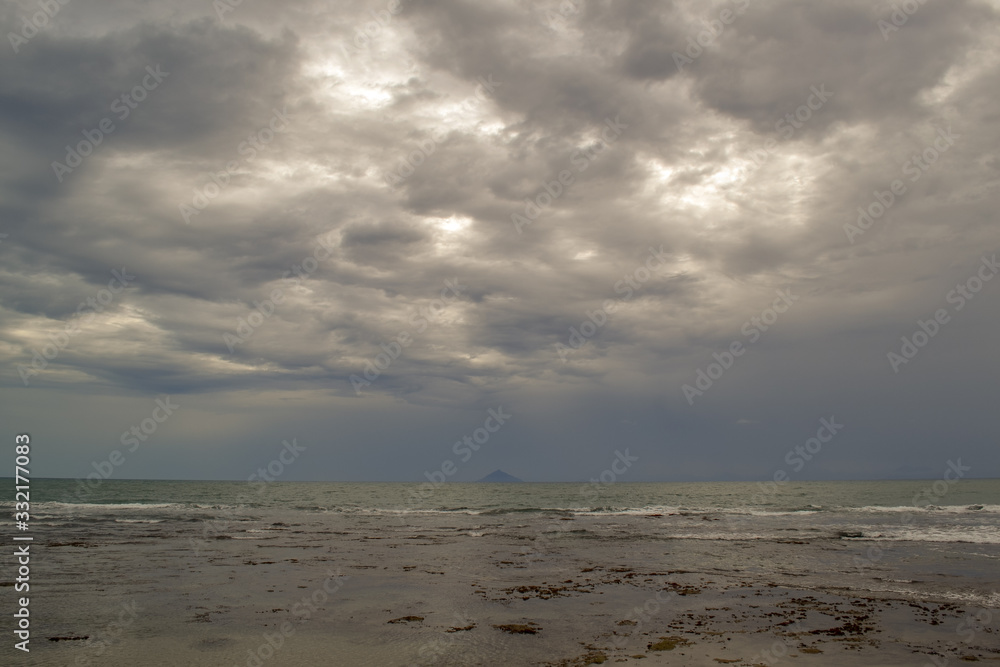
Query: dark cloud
pixel 327 199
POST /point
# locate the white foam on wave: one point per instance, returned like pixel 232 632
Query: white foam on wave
pixel 943 509
pixel 940 534
pixel 799 511
pixel 991 600
pixel 804 511
pixel 700 511
pixel 201 506
pixel 981 599
pixel 960 534
pixel 647 510
pixel 636 511
pixel 721 537
pixel 53 505
pixel 396 511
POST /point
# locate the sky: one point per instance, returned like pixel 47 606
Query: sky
pixel 415 240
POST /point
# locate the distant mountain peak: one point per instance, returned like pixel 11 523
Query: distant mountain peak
pixel 499 476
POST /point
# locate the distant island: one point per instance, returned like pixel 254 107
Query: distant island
pixel 499 476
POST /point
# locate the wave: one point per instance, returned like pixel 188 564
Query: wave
pixel 967 535
pixel 58 508
pixel 945 509
pixel 951 534
pixel 56 505
pixel 656 511
pixel 530 510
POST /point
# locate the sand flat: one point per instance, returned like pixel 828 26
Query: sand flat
pixel 591 591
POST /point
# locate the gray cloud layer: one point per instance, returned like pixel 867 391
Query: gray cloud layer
pixel 354 174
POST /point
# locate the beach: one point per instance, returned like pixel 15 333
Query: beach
pixel 302 576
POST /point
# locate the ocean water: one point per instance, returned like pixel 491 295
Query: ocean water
pixel 830 529
pixel 966 511
pixel 215 565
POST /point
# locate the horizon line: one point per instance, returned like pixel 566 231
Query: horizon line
pixel 615 483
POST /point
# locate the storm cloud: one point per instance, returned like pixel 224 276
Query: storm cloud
pixel 364 224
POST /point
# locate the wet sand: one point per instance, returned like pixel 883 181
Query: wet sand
pixel 466 590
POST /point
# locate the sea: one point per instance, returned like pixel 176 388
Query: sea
pixel 961 511
pixel 957 512
pixel 214 562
